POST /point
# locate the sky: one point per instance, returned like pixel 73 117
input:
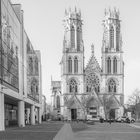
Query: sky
pixel 43 22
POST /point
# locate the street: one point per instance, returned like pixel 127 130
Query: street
pixel 106 131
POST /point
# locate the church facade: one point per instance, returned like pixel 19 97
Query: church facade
pixel 92 89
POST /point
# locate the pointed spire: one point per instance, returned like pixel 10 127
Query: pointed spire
pixel 105 12
pixel 80 12
pixel 69 9
pixel 66 12
pixel 75 9
pixel 51 80
pixel 92 49
pixel 110 13
pixel 115 9
pixel 115 13
pixel 118 13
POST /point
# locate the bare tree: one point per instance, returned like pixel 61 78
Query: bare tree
pixel 134 102
pixel 134 98
pixel 106 105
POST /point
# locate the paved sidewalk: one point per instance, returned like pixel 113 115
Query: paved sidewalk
pixel 78 126
pixel 106 131
pixel 45 131
pixel 68 130
pixel 65 133
pixel 135 125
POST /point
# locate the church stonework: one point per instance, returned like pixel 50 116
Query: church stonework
pixel 91 90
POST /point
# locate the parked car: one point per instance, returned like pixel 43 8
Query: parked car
pixel 121 119
pixel 93 118
pixel 132 120
pixel 108 120
pixel 125 119
pixel 101 119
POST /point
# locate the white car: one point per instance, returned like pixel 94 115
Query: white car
pixel 132 120
pixel 125 119
pixel 92 118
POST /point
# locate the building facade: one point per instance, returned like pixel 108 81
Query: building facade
pixel 44 108
pixel 91 90
pixel 56 98
pixel 20 70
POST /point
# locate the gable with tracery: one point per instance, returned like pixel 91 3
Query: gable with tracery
pixel 93 65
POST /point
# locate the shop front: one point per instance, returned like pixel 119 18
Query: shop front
pixel 11 115
pixel 10 111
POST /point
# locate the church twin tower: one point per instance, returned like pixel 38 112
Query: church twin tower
pixel 91 90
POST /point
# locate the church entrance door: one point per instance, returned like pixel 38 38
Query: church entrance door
pixel 73 114
pixel 112 114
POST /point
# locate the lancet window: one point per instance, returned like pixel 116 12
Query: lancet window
pixel 117 38
pixel 57 102
pixel 78 39
pixel 111 37
pixel 112 86
pixel 72 37
pixel 108 65
pixel 75 65
pixel 115 65
pixel 36 66
pixel 70 65
pixel 73 88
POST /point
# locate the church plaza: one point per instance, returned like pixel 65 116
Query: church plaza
pixel 74 131
pixel 85 90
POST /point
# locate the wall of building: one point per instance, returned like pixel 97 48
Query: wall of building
pixel 14 70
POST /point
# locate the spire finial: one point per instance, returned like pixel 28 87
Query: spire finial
pixel 51 79
pixel 115 9
pixel 80 11
pixel 69 9
pixel 105 12
pixel 92 49
pixel 75 9
pixel 110 12
pixel 118 12
pixel 65 12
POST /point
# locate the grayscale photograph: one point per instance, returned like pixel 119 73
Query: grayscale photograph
pixel 69 70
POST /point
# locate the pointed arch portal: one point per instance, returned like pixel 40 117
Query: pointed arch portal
pixel 92 107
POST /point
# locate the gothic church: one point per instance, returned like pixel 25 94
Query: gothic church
pixel 93 90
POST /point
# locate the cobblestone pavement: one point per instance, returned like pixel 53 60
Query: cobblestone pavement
pixel 45 131
pixel 106 131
